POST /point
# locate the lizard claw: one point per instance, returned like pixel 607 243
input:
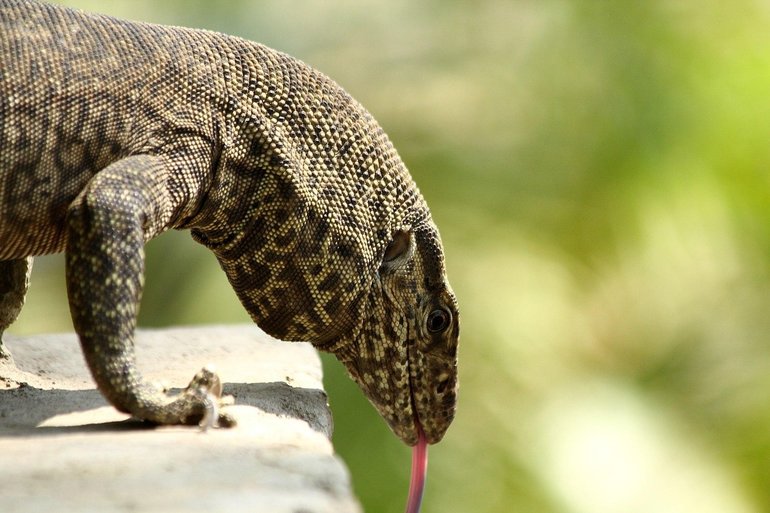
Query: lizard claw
pixel 211 412
pixel 206 387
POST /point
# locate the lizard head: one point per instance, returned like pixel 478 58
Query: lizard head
pixel 404 356
pixel 382 306
pixel 394 326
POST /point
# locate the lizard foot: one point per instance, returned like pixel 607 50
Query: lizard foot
pixel 206 387
pixel 4 353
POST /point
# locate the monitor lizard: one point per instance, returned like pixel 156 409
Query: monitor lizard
pixel 113 131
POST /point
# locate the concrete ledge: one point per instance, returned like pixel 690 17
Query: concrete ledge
pixel 64 449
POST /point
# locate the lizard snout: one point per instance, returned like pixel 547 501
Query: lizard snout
pixel 433 387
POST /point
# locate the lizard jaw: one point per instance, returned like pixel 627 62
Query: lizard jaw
pixel 432 397
pixel 417 431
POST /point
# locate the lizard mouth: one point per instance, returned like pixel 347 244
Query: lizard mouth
pixel 417 431
pixel 432 398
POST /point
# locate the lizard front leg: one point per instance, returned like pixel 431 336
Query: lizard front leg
pixel 107 225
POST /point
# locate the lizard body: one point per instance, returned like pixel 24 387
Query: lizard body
pixel 112 132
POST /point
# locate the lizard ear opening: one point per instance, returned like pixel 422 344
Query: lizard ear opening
pixel 399 250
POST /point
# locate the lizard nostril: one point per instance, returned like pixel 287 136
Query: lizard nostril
pixel 442 384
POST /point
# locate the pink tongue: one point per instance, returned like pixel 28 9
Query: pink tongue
pixel 419 471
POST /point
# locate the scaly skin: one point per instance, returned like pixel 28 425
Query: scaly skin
pixel 112 132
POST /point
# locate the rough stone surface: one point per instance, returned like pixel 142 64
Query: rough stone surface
pixel 62 448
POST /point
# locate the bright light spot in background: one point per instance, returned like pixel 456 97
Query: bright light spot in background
pixel 605 449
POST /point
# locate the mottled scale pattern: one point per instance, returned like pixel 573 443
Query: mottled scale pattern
pixel 112 132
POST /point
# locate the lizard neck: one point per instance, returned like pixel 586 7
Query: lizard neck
pixel 307 192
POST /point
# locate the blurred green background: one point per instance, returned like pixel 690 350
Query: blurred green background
pixel 599 171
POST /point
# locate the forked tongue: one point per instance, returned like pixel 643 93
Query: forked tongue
pixel 419 472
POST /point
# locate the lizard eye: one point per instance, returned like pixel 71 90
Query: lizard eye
pixel 438 320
